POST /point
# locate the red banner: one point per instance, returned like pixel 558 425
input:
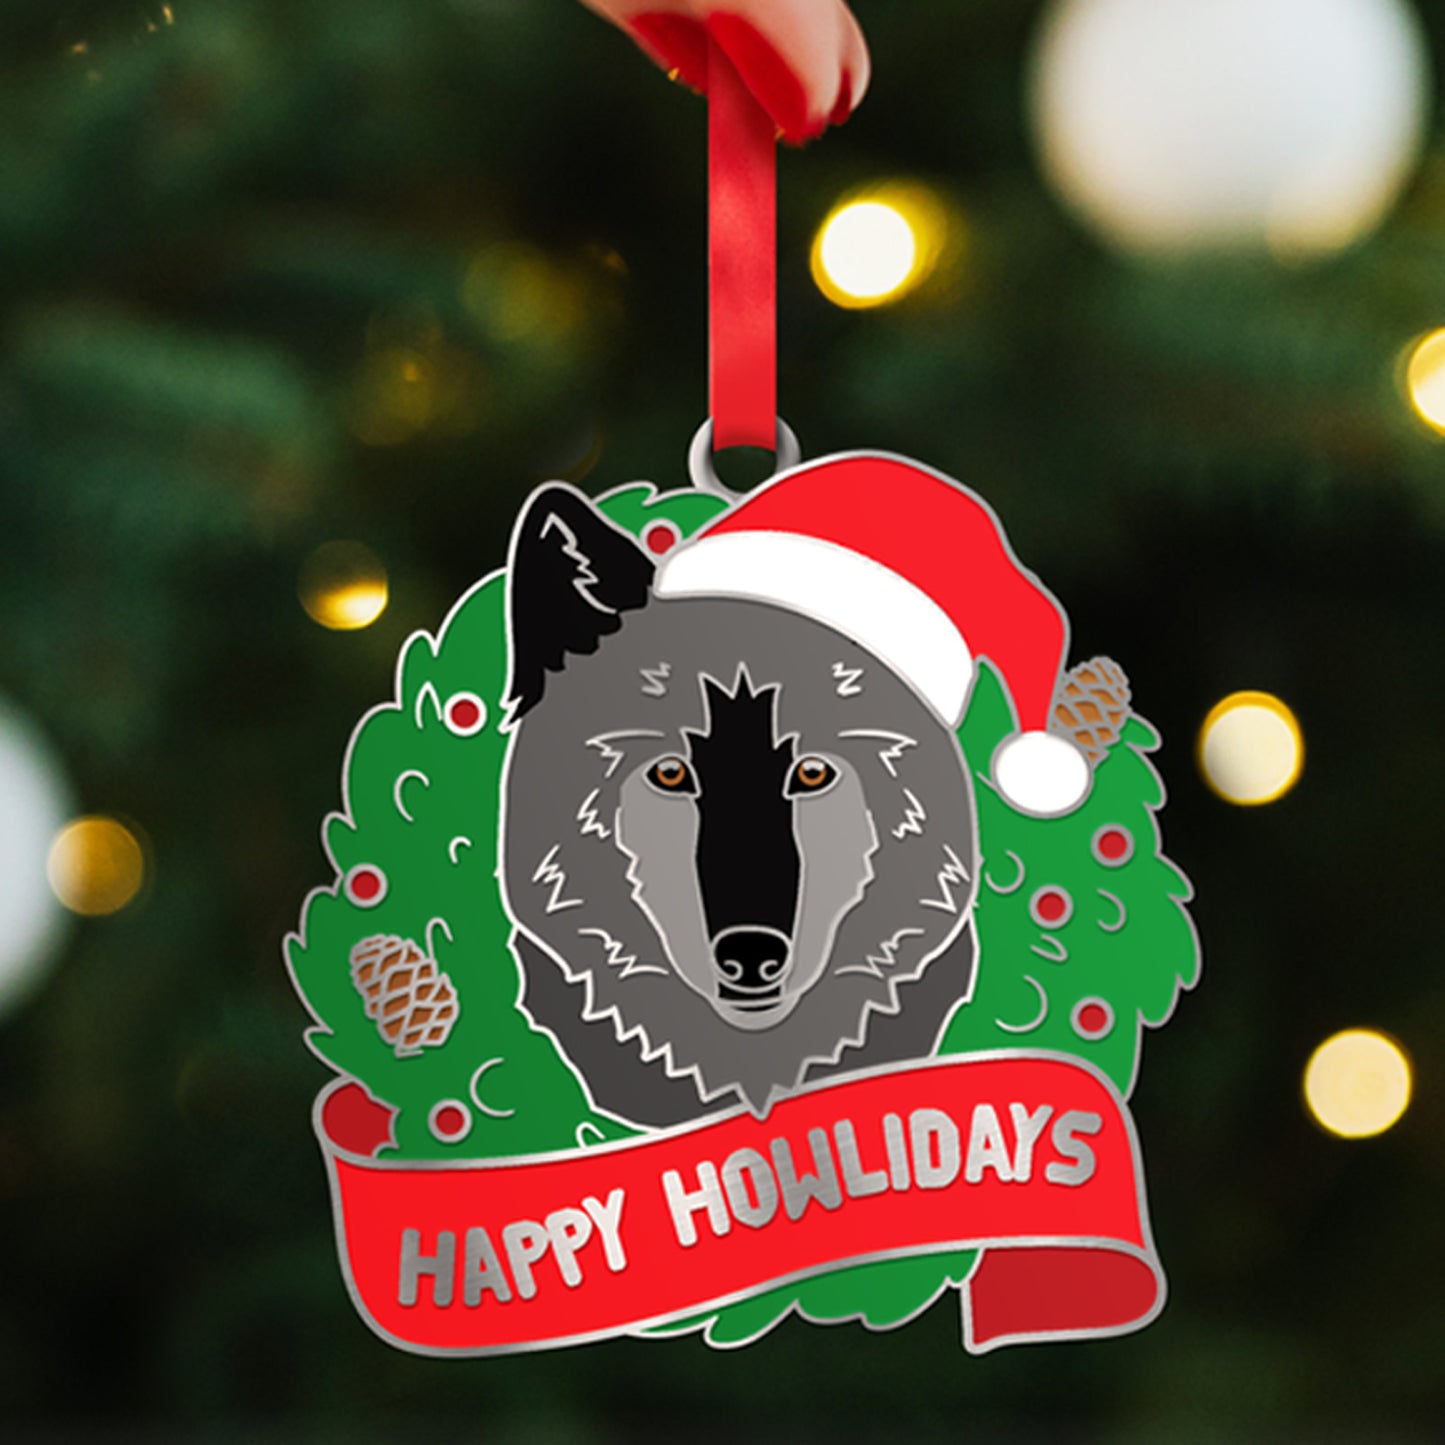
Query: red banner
pixel 1029 1157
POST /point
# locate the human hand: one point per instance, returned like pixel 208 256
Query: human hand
pixel 805 61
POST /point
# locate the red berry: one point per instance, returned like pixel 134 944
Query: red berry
pixel 660 537
pixel 1113 845
pixel 1093 1019
pixel 450 1121
pixel 465 714
pixel 1051 907
pixel 366 885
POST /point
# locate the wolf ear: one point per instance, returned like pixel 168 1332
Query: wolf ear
pixel 572 576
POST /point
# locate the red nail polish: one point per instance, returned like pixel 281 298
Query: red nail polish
pixel 767 75
pixel 676 43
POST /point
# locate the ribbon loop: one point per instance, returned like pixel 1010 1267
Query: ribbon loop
pixel 742 243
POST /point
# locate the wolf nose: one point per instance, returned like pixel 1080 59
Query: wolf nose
pixel 751 964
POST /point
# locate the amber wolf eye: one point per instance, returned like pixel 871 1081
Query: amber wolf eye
pixel 809 776
pixel 672 775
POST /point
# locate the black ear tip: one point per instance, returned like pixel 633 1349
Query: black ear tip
pixel 554 496
pixel 550 499
pixel 573 573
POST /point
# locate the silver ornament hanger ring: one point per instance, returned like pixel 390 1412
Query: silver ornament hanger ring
pixel 704 474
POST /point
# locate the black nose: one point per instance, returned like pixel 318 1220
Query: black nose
pixel 751 964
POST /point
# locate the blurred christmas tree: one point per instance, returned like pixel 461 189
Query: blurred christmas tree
pixel 276 275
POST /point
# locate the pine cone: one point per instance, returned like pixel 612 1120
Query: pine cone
pixel 413 1005
pixel 1092 707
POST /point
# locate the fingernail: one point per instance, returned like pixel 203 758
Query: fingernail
pixel 767 75
pixel 678 44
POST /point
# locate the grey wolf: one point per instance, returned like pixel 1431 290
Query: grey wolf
pixel 739 848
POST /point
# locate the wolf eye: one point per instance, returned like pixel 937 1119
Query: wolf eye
pixel 810 775
pixel 672 775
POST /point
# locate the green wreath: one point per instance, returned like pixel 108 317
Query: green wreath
pixel 406 966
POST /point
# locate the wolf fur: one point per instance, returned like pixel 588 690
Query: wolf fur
pixel 667 845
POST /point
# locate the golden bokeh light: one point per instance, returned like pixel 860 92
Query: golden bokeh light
pixel 520 294
pixel 1425 379
pixel 1358 1083
pixel 96 866
pixel 394 396
pixel 1251 749
pixel 414 385
pixel 343 586
pixel 877 246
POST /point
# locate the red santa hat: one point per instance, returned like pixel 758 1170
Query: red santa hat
pixel 916 569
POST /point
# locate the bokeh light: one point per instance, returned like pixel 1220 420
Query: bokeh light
pixel 33 805
pixel 343 586
pixel 1358 1083
pixel 1205 125
pixel 96 866
pixel 520 294
pixel 1251 749
pixel 876 247
pixel 394 396
pixel 864 254
pixel 412 382
pixel 1425 379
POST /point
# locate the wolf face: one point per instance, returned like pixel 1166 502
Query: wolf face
pixel 717 837
pixel 737 830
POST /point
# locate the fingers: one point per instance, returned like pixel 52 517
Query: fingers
pixel 805 61
pixel 670 32
pixel 857 67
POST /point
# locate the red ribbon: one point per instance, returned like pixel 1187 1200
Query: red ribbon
pixel 742 243
pixel 497 1255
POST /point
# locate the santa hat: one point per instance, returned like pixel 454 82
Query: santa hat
pixel 917 570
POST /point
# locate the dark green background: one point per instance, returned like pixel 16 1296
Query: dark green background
pixel 213 235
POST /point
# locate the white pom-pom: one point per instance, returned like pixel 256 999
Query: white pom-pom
pixel 1042 774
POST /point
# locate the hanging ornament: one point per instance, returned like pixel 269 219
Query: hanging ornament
pixel 1171 126
pixel 742 906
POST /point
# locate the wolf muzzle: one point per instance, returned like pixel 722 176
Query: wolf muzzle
pixel 752 965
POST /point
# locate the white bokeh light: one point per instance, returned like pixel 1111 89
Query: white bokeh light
pixel 1358 1083
pixel 1425 379
pixel 866 253
pixel 1251 749
pixel 1179 125
pixel 33 806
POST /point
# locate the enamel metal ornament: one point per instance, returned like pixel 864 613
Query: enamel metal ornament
pixel 745 907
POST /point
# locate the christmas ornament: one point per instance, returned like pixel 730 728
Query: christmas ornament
pixel 741 908
pixel 1200 125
